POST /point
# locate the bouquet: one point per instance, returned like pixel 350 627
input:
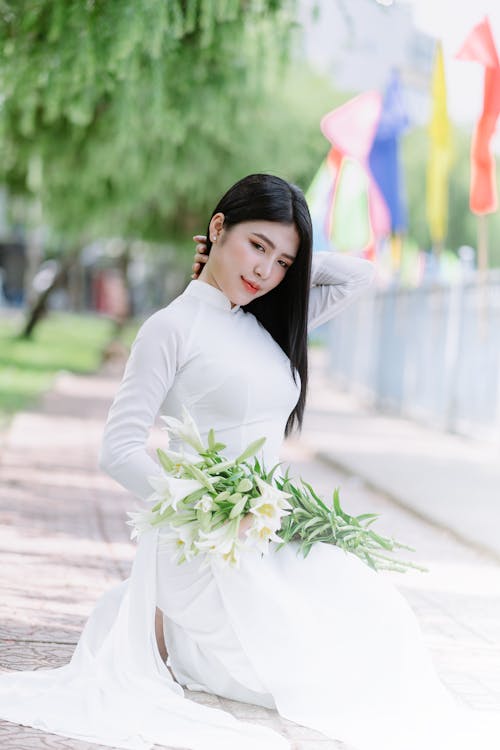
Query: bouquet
pixel 204 503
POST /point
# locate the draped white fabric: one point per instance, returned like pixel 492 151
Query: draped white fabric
pixel 325 640
pixel 116 690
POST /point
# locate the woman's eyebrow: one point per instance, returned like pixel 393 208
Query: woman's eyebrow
pixel 269 242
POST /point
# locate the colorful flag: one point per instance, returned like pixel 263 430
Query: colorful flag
pixel 480 47
pixel 351 129
pixel 438 166
pixel 350 219
pixel 384 159
pixel 319 198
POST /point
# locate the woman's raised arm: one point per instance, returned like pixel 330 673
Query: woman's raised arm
pixel 149 373
pixel 336 281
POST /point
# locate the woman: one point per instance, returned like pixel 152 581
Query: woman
pixel 324 640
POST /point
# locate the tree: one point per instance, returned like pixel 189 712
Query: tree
pixel 105 103
pixel 127 118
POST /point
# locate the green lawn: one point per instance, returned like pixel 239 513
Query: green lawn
pixel 63 341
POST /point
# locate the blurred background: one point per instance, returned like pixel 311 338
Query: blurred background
pixel 121 123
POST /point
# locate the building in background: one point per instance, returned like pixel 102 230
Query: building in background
pixel 358 42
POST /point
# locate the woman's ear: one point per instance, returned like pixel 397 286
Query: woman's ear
pixel 216 226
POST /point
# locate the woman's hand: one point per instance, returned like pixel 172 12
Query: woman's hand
pixel 201 256
pixel 245 524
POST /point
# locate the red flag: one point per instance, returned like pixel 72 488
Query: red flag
pixel 480 47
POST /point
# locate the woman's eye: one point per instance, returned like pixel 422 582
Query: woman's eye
pixel 283 263
pixel 259 247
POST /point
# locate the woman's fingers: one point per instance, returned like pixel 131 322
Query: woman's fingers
pixel 201 256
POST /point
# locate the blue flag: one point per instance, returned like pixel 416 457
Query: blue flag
pixel 384 159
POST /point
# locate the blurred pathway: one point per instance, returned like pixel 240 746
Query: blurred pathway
pixel 63 541
pixel 449 480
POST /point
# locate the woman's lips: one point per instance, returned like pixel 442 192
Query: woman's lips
pixel 250 287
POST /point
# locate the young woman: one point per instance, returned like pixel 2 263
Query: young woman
pixel 324 640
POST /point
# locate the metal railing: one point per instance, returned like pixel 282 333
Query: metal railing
pixel 430 353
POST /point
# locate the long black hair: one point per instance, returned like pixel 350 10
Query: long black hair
pixel 283 311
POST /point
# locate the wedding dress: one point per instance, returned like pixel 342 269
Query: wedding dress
pixel 325 640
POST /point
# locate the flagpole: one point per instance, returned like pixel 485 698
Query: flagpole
pixel 396 250
pixel 482 244
pixel 437 249
pixel 482 267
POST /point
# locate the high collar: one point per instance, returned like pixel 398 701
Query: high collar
pixel 210 294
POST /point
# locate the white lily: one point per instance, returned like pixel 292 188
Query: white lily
pixel 180 459
pixel 185 430
pixel 222 544
pixel 220 540
pixel 183 538
pixel 270 506
pixel 205 503
pixel 170 490
pixel 259 535
pixel 232 557
pixel 140 521
pixel 271 494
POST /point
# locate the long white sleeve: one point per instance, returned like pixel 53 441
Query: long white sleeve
pixel 154 359
pixel 336 281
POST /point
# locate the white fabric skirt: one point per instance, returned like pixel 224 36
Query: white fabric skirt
pixel 325 640
pixel 328 642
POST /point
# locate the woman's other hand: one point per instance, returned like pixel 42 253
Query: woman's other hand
pixel 245 524
pixel 201 256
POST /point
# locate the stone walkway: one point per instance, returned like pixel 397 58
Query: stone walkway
pixel 63 541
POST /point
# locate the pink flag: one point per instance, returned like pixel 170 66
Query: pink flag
pixel 351 129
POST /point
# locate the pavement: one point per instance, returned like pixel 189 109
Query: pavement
pixel 451 481
pixel 63 538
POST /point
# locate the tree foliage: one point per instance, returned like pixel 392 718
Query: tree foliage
pixel 130 117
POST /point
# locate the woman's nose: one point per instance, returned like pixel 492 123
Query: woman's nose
pixel 263 269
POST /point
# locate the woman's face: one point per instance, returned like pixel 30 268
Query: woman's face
pixel 249 259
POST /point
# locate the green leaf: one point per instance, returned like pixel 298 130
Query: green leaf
pixel 245 485
pixel 193 497
pixel 309 523
pixel 315 496
pixel 338 509
pixel 251 450
pixel 221 466
pixel 271 472
pixel 364 516
pixel 314 534
pixel 204 519
pixel 222 496
pixel 385 543
pixel 165 461
pixel 200 476
pixel 211 439
pixel 238 507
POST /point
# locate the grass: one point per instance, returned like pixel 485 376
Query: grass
pixel 63 341
pixel 129 332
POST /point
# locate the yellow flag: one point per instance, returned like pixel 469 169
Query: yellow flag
pixel 440 154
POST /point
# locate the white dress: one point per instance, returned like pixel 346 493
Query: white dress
pixel 325 640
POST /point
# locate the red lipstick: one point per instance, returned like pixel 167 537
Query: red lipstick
pixel 250 287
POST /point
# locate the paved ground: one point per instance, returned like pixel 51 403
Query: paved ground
pixel 450 480
pixel 63 541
